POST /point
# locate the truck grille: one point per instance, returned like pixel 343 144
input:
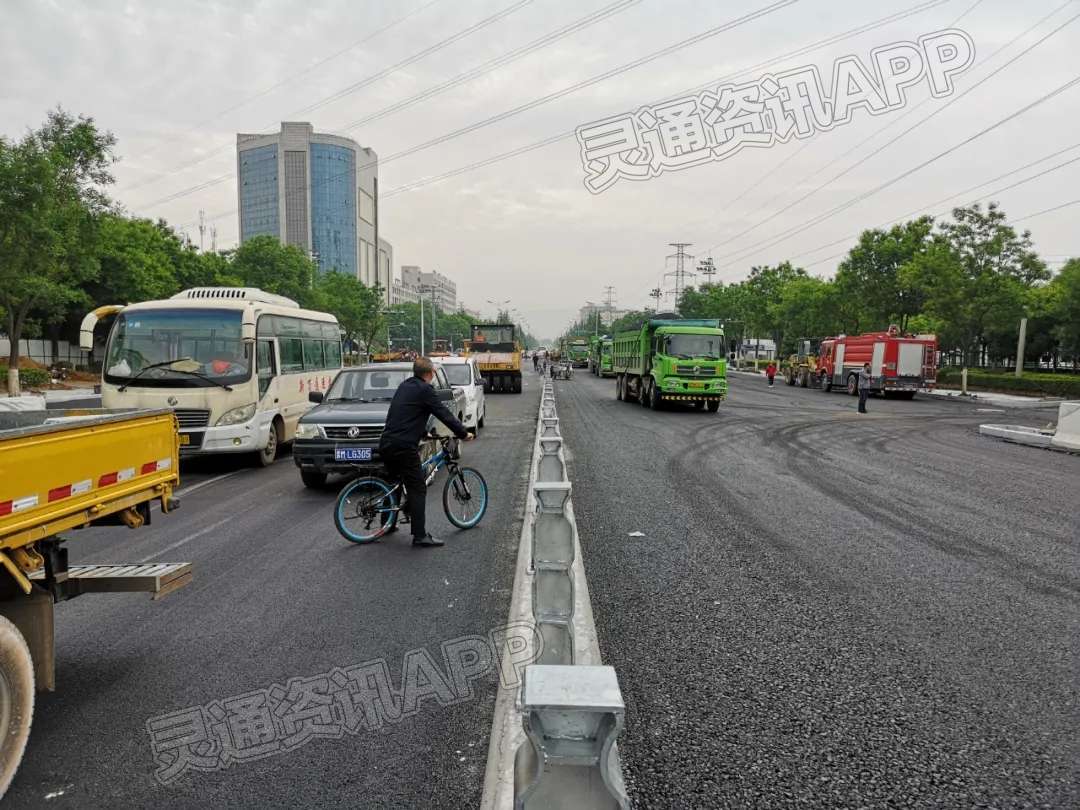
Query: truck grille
pixel 364 432
pixel 702 371
pixel 192 418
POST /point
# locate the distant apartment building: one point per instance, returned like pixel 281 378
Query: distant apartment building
pixel 318 192
pixel 401 293
pixel 435 286
pixel 608 315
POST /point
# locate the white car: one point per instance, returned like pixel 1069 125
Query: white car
pixel 463 373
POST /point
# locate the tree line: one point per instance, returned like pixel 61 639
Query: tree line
pixel 969 280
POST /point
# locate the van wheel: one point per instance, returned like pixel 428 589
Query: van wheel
pixel 313 479
pixel 267 455
pixel 853 385
pixel 16 700
pixel 480 421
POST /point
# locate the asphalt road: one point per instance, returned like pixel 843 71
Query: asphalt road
pixel 279 595
pixel 828 609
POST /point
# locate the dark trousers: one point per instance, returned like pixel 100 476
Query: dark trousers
pixel 771 378
pixel 403 464
pixel 863 394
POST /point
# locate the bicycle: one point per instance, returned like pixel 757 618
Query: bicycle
pixel 370 507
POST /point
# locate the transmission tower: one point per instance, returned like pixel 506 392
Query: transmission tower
pixel 680 256
pixel 202 229
pixel 707 269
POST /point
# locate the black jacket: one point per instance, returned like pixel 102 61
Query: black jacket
pixel 414 401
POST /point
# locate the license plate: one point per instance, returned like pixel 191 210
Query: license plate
pixel 185 439
pixel 352 454
pixel 697 385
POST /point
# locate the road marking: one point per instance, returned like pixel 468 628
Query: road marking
pixel 201 484
pixel 194 536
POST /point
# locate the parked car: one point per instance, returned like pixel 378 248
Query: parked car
pixel 463 373
pixel 341 433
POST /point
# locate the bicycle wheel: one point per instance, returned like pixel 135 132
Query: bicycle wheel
pixel 366 509
pixel 465 497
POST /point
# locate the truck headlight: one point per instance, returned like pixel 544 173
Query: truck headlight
pixel 237 415
pixel 306 430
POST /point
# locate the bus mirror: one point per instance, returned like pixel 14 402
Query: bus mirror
pixel 247 326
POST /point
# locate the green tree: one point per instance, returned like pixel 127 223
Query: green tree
pixel 50 204
pixel 875 275
pixel 139 260
pixel 358 308
pixel 1066 308
pixel 264 262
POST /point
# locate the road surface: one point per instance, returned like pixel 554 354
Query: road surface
pixel 279 595
pixel 828 609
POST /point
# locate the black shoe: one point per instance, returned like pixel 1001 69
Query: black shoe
pixel 427 540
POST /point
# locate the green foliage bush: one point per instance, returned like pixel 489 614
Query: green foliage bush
pixel 1056 385
pixel 28 377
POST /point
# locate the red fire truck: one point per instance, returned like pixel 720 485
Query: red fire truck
pixel 899 364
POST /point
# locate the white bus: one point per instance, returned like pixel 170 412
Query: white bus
pixel 234 363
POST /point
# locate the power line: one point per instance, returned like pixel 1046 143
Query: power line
pixel 537 102
pixel 415 57
pixel 293 77
pixel 867 194
pixel 914 126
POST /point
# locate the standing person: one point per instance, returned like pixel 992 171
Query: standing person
pixel 770 371
pixel 864 386
pixel 414 401
pixel 536 362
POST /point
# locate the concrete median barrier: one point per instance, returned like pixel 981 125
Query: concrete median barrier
pixel 1067 435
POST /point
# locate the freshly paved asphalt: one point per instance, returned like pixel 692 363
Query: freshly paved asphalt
pixel 827 609
pixel 277 595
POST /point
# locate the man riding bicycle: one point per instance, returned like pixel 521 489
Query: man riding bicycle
pixel 414 401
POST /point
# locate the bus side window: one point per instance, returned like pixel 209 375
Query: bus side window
pixel 264 364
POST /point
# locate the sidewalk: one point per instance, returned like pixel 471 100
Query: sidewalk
pixel 991 398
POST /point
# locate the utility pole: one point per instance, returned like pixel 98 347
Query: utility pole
pixel 1020 347
pixel 655 293
pixel 421 322
pixel 213 238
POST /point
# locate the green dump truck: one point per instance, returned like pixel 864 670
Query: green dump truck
pixel 671 360
pixel 600 356
pixel 575 348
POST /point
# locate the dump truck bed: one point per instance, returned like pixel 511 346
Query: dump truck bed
pixel 63 469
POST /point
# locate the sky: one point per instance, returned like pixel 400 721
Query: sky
pixel 176 81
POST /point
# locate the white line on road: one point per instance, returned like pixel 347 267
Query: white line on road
pixel 196 535
pixel 201 484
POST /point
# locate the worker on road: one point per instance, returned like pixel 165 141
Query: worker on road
pixel 414 401
pixel 864 386
pixel 536 362
pixel 770 371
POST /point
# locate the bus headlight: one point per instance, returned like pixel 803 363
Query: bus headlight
pixel 237 415
pixel 305 430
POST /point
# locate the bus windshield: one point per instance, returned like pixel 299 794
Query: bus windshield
pixel 709 347
pixel 168 347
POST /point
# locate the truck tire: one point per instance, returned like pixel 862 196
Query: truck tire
pixel 790 378
pixel 16 700
pixel 643 393
pixel 655 401
pixel 853 385
pixel 713 405
pixel 313 479
pixel 804 379
pixel 619 383
pixel 517 385
pixel 826 383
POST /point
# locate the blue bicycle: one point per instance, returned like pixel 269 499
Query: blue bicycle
pixel 371 507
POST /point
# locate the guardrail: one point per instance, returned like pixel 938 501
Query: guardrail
pixel 553 742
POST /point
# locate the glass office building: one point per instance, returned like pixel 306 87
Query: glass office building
pixel 315 191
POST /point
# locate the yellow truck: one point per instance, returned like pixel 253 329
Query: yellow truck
pixel 61 471
pixel 497 355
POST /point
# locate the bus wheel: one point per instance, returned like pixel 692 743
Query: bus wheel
pixel 267 455
pixel 16 700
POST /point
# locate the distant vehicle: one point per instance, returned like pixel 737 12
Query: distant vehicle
pixel 498 356
pixel 576 350
pixel 235 364
pixel 801 368
pixel 341 433
pixel 600 348
pixel 672 359
pixel 899 364
pixel 463 373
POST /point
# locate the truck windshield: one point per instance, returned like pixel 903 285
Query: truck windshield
pixel 182 343
pixel 369 385
pixel 709 347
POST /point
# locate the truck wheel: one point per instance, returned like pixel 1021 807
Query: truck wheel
pixel 313 479
pixel 804 379
pixel 790 379
pixel 16 700
pixel 619 383
pixel 713 405
pixel 517 385
pixel 853 385
pixel 266 456
pixel 654 397
pixel 643 394
pixel 826 383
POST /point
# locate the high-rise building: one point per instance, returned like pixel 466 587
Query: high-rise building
pixel 435 286
pixel 318 192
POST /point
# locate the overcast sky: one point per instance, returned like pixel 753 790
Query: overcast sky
pixel 175 81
